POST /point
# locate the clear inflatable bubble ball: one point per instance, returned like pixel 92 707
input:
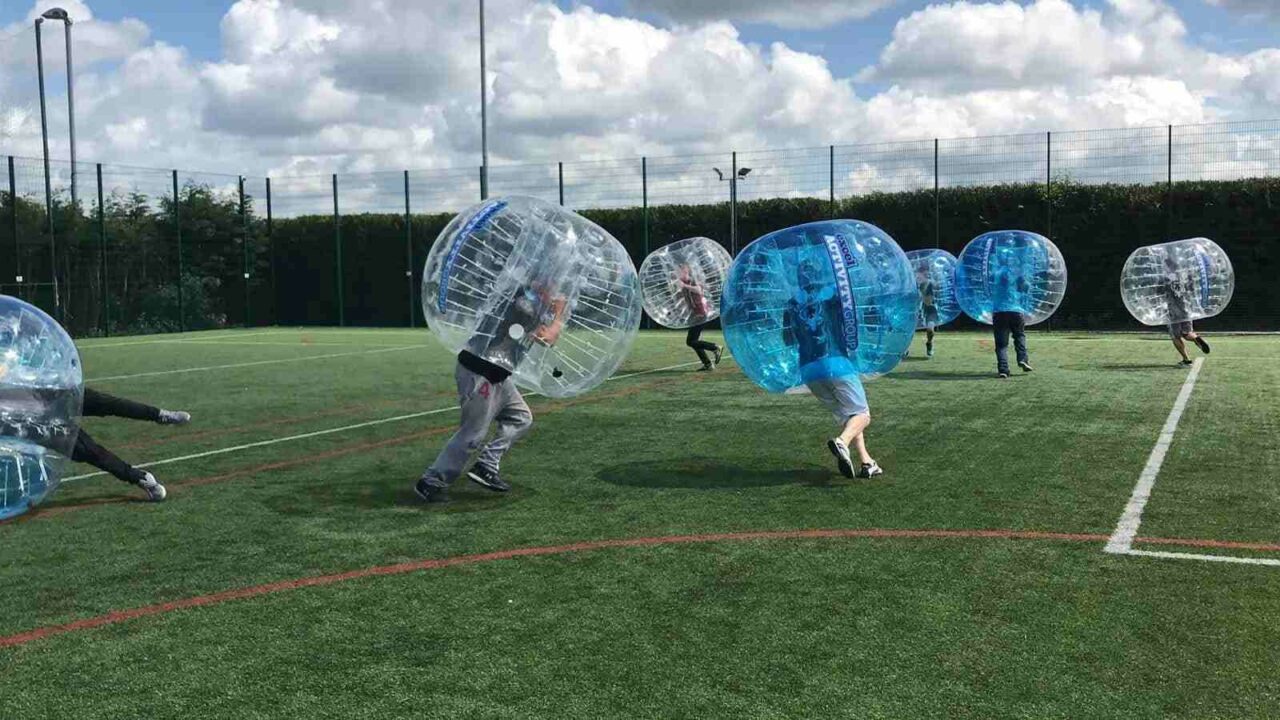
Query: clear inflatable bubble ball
pixel 823 300
pixel 682 282
pixel 41 397
pixel 1177 281
pixel 935 272
pixel 1011 271
pixel 536 289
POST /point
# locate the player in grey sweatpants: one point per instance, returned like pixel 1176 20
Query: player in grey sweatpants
pixel 482 402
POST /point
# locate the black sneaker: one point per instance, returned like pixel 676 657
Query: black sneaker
pixel 487 477
pixel 1026 366
pixel 1003 374
pixel 1186 362
pixel 1202 344
pixel 706 367
pixel 719 352
pixel 430 492
pixel 841 451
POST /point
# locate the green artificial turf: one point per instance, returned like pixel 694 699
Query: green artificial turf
pixel 962 627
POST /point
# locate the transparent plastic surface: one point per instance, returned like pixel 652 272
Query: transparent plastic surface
pixel 536 289
pixel 41 396
pixel 682 282
pixel 823 300
pixel 936 280
pixel 1177 281
pixel 1011 271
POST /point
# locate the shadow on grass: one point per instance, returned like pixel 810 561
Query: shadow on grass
pixel 940 375
pixel 1127 367
pixel 464 496
pixel 711 474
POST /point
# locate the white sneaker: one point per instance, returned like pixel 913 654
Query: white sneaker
pixel 870 469
pixel 155 491
pixel 174 417
pixel 841 451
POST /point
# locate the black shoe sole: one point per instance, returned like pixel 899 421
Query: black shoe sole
pixel 486 484
pixel 846 467
pixel 440 495
pixel 1204 346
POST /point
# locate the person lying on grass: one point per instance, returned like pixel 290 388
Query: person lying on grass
pixel 487 394
pixel 100 404
pixel 807 323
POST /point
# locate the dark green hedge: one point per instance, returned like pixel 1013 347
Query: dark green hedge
pixel 295 279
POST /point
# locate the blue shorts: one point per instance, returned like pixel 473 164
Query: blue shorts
pixel 844 397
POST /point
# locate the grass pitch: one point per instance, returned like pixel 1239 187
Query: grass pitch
pixel 1027 618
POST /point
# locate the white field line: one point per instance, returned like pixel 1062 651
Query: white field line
pixel 251 364
pixel 163 340
pixel 1131 519
pixel 1274 562
pixel 345 428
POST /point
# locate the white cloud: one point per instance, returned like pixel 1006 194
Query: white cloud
pixel 319 86
pixel 801 14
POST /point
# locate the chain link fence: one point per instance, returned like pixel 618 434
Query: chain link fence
pixel 144 250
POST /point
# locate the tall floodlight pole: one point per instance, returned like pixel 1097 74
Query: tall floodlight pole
pixel 60 14
pixel 48 185
pixel 484 116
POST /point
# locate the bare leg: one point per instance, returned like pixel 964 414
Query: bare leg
pixel 1182 348
pixel 852 436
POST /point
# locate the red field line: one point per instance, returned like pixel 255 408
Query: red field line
pixel 119 616
pixel 252 591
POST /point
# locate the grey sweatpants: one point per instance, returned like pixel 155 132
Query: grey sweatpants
pixel 482 403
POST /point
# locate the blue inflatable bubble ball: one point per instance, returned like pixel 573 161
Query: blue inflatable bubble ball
pixel 536 289
pixel 936 280
pixel 41 396
pixel 817 301
pixel 1177 281
pixel 682 282
pixel 1011 271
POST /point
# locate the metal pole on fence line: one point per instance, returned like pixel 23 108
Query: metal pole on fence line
pixel 937 199
pixel 102 257
pixel 644 216
pixel 177 230
pixel 733 207
pixel 71 99
pixel 831 167
pixel 244 247
pixel 13 225
pixel 48 183
pixel 561 184
pixel 271 249
pixel 484 116
pixel 337 243
pixel 1168 202
pixel 1048 185
pixel 408 249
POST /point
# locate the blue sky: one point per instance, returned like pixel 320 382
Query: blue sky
pixel 849 47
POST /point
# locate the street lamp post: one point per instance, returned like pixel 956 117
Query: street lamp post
pixel 734 178
pixel 59 14
pixel 484 116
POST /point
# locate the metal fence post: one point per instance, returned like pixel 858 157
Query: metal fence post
pixel 408 249
pixel 13 225
pixel 177 231
pixel 937 199
pixel 337 244
pixel 484 185
pixel 1048 185
pixel 271 250
pixel 1168 201
pixel 102 257
pixel 561 184
pixel 831 167
pixel 733 206
pixel 244 226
